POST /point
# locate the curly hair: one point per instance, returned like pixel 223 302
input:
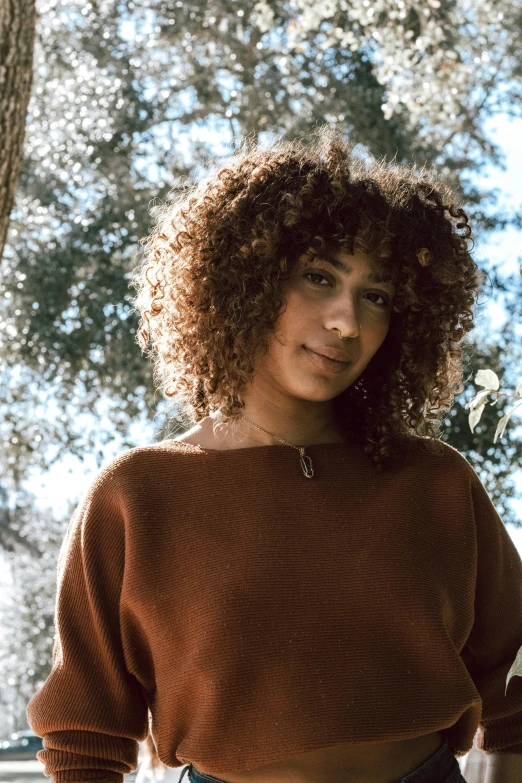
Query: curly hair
pixel 220 250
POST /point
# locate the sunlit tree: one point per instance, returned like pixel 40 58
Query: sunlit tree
pixel 28 615
pixel 445 65
pixel 130 100
pixel 17 25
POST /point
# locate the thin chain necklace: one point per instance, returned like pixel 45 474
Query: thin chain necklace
pixel 306 462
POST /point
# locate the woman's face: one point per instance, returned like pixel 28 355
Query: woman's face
pixel 324 294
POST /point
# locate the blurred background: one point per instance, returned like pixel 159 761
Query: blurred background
pixel 115 104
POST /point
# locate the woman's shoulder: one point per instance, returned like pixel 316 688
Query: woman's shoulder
pixel 436 455
pixel 134 460
pixel 168 447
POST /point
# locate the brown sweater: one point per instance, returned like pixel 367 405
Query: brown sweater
pixel 259 614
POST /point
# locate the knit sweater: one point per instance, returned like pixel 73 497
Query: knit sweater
pixel 248 613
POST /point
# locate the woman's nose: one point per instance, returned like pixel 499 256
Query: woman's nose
pixel 347 324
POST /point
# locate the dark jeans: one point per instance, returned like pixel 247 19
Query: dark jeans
pixel 442 767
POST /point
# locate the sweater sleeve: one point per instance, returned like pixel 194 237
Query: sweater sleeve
pixel 496 635
pixel 91 711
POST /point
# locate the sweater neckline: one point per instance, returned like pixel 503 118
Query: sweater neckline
pixel 262 447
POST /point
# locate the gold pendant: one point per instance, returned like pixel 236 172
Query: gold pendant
pixel 306 464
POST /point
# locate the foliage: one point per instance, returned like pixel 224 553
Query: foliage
pixel 493 461
pixel 489 380
pixel 129 100
pixel 441 62
pixel 28 619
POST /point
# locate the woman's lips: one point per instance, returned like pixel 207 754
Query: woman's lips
pixel 325 364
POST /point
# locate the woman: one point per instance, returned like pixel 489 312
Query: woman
pixel 308 585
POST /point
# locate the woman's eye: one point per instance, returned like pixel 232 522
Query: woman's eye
pixel 385 301
pixel 310 275
pixel 315 274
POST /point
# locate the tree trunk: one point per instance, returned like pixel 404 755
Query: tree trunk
pixel 17 30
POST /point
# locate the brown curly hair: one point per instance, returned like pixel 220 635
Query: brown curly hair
pixel 221 248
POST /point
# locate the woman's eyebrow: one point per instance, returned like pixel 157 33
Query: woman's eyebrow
pixel 375 276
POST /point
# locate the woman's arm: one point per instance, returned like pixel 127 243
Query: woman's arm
pixel 496 637
pixel 91 712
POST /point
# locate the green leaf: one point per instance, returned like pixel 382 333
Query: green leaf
pixel 501 426
pixel 476 400
pixel 474 416
pixel 487 378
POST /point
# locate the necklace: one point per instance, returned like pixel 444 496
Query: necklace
pixel 305 460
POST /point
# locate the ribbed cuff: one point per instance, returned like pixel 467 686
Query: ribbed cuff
pixel 512 749
pixel 86 776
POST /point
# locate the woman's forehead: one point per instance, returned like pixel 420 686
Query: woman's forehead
pixel 346 262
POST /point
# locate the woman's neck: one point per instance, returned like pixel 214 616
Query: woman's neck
pixel 242 434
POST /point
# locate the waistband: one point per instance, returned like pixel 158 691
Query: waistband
pixel 441 767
